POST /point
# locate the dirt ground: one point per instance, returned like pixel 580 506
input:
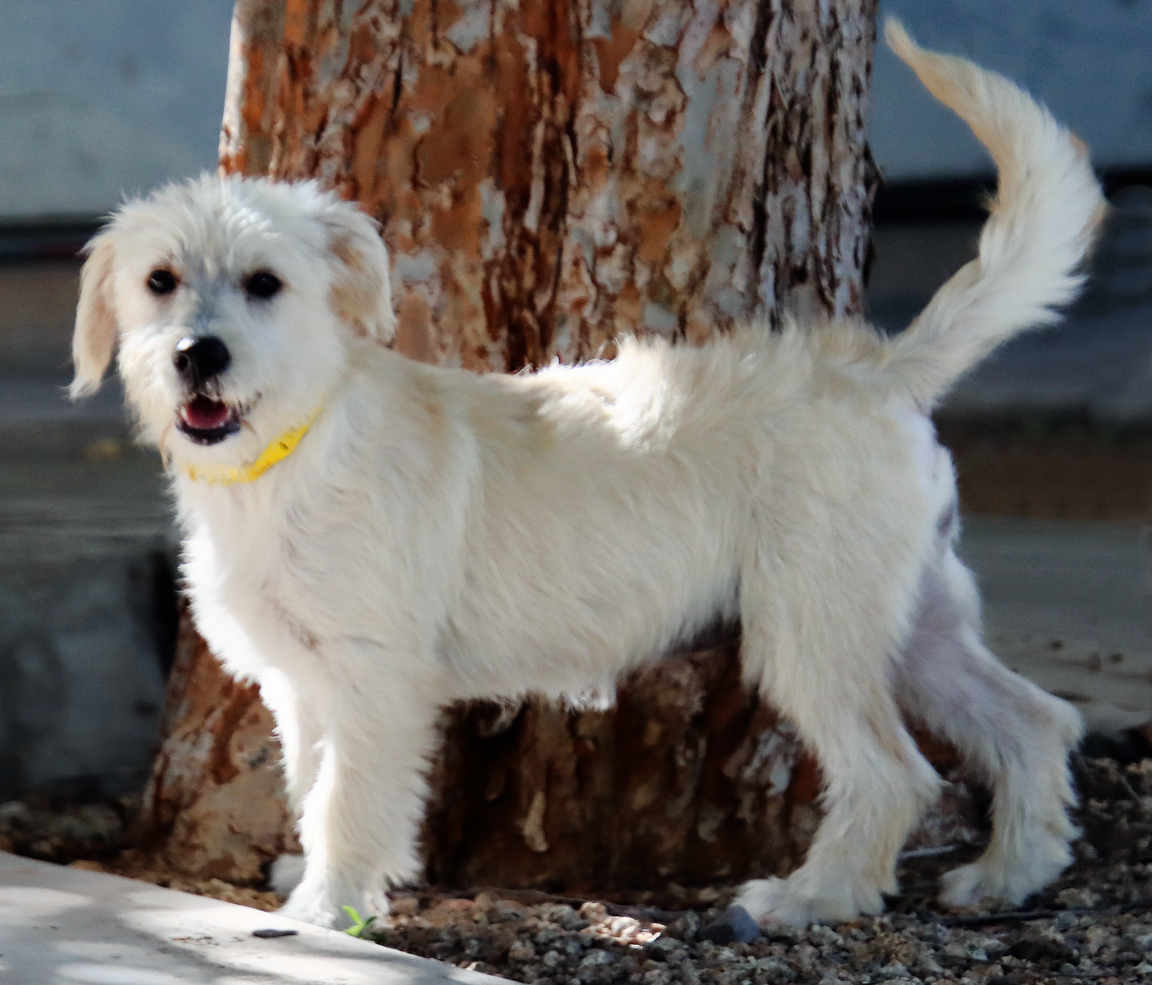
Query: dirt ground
pixel 1094 924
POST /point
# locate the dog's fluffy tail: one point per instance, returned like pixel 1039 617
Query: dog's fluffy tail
pixel 1041 226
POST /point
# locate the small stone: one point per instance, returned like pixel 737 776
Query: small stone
pixel 505 911
pixel 824 936
pixel 1038 947
pixel 688 974
pixel 806 955
pixel 552 959
pixel 594 912
pixel 15 814
pixel 1143 941
pixel 405 906
pixel 684 927
pixel 270 933
pixel 563 916
pixel 1084 851
pixel 775 969
pixel 984 948
pixel 1078 897
pixel 521 951
pixel 956 949
pixel 552 912
pixel 576 945
pixel 734 925
pixel 596 957
pixel 781 933
pixel 662 947
pixel 928 965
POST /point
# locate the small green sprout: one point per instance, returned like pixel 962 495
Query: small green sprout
pixel 360 925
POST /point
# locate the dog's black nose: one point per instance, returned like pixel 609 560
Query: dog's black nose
pixel 199 359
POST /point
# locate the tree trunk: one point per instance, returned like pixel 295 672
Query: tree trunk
pixel 550 174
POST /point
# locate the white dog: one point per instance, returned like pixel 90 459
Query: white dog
pixel 370 538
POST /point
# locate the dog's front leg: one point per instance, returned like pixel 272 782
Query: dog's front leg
pixel 361 817
pixel 300 733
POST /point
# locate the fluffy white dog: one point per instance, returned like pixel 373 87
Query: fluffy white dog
pixel 369 537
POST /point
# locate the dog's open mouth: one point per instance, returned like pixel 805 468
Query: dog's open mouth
pixel 207 421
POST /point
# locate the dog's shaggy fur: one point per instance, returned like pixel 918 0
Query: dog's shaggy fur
pixel 438 535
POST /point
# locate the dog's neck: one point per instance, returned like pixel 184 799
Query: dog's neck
pixel 278 449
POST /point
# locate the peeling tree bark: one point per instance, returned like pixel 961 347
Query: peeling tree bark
pixel 550 174
pixel 553 173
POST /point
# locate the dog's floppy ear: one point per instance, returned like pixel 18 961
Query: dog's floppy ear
pixel 95 336
pixel 361 282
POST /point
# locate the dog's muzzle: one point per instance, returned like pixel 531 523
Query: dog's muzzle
pixel 204 419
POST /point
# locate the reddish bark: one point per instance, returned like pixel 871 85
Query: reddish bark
pixel 214 806
pixel 552 173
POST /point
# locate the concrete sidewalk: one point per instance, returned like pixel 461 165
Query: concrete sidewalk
pixel 62 925
pixel 1068 606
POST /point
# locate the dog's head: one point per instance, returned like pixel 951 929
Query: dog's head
pixel 233 303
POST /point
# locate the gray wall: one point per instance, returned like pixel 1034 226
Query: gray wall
pixel 1090 61
pixel 102 98
pixel 99 98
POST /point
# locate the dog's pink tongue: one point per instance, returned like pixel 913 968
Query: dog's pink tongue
pixel 205 414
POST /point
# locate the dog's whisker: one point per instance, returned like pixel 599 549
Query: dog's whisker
pixel 162 446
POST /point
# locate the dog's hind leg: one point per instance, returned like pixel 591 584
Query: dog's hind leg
pixel 1015 734
pixel 834 686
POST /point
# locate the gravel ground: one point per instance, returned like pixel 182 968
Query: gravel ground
pixel 1093 925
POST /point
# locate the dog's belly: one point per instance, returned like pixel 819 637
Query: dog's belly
pixel 555 641
pixel 498 665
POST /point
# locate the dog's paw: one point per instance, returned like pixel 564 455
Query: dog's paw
pixel 969 884
pixel 315 909
pixel 992 877
pixel 769 901
pixel 286 874
pixel 785 901
pixel 325 906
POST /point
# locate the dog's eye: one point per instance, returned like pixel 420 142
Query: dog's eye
pixel 161 281
pixel 263 284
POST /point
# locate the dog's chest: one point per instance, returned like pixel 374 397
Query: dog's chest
pixel 256 598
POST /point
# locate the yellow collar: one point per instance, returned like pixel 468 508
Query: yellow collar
pixel 276 451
